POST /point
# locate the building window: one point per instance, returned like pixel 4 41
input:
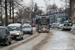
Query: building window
pixel 74 5
pixel 74 14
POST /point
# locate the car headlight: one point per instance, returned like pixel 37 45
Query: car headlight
pixel 18 33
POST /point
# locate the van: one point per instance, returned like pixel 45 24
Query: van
pixel 15 31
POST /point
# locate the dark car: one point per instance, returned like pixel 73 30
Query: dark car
pixel 5 36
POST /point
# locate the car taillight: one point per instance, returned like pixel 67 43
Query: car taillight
pixel 33 24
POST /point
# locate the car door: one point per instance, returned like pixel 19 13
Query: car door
pixel 8 34
pixel 21 30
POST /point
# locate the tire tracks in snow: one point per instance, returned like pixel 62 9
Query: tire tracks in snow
pixel 44 41
pixel 33 37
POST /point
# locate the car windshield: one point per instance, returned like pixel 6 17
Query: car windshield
pixel 2 31
pixel 67 25
pixel 12 28
pixel 26 27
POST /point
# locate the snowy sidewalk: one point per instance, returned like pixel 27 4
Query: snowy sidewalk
pixel 60 41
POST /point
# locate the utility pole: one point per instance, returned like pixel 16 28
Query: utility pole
pixel 6 16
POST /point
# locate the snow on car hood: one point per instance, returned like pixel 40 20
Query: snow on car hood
pixel 26 29
pixel 14 32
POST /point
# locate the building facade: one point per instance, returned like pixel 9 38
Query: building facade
pixel 72 10
pixel 59 17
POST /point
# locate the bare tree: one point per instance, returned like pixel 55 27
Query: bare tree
pixel 60 9
pixel 51 8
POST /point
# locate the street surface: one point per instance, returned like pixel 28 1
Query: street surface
pixel 61 40
pixel 55 40
pixel 14 42
pixel 31 44
pixel 3 47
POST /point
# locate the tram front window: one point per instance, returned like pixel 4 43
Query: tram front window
pixel 43 22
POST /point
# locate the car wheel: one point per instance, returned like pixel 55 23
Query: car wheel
pixel 10 42
pixel 22 38
pixel 47 31
pixel 23 33
pixel 69 29
pixel 31 33
pixel 39 32
pixel 6 43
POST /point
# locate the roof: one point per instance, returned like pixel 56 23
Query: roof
pixel 26 25
pixel 41 16
pixel 14 24
pixel 2 27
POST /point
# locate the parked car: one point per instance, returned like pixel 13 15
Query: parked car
pixel 66 26
pixel 54 25
pixel 15 31
pixel 60 26
pixel 73 27
pixel 5 36
pixel 27 29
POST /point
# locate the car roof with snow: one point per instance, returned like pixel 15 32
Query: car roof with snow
pixel 26 25
pixel 15 24
pixel 2 27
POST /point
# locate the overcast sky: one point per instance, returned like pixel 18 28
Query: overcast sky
pixel 42 4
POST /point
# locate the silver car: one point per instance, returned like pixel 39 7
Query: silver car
pixel 16 31
pixel 27 29
pixel 66 26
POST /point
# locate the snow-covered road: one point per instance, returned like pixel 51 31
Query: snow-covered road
pixel 60 41
pixel 30 45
